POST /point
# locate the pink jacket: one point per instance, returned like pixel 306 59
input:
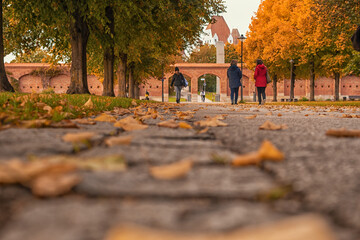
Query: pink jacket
pixel 260 76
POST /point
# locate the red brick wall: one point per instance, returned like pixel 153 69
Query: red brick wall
pixel 95 86
pixel 60 83
pixel 30 83
pixel 350 85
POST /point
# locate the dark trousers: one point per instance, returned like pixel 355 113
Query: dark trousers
pixel 261 92
pixel 234 91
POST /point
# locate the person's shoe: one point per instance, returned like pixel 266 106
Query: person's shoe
pixel 263 102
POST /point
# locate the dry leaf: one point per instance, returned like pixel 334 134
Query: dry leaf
pixel 169 124
pixel 89 104
pixel 343 133
pixel 37 123
pixel 123 140
pixel 134 103
pixel 205 130
pixel 48 108
pixel 64 124
pixel 185 125
pixel 271 126
pixel 130 124
pixel 251 117
pixel 105 118
pixel 172 171
pixel 56 181
pixel 106 163
pixel 268 151
pixel 123 111
pixel 84 121
pixel 211 122
pixel 279 115
pixel 78 137
pixel 303 227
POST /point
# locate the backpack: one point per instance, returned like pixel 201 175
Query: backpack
pixel 186 83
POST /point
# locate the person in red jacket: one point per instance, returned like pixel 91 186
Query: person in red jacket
pixel 260 80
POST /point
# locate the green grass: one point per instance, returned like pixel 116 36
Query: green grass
pixel 20 106
pixel 173 99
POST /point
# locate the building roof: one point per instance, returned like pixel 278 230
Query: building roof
pixel 219 27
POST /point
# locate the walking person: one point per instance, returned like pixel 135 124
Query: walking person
pixel 260 80
pixel 234 75
pixel 178 81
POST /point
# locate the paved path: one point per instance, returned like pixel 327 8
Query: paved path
pixel 319 175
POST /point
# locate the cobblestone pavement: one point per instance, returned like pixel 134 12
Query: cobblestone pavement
pixel 320 175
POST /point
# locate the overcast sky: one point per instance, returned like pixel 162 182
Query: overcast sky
pixel 239 13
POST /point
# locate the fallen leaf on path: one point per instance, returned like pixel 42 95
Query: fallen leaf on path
pixel 267 151
pixel 169 124
pixel 279 115
pixel 211 122
pixel 269 114
pixel 205 130
pixel 64 124
pixel 89 104
pixel 56 181
pixel 251 117
pixel 302 227
pixel 114 141
pixel 185 125
pixel 134 103
pixel 37 123
pixel 172 171
pixel 268 125
pixel 78 137
pixel 84 121
pixel 343 133
pixel 105 118
pixel 130 124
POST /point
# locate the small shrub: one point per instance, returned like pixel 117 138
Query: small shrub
pixel 304 99
pixel 48 91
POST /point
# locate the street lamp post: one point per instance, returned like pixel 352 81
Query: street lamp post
pixel 242 39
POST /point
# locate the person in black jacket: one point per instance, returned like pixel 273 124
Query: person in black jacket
pixel 179 81
pixel 234 75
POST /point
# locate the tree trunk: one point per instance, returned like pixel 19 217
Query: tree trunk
pixel 137 90
pixel 337 86
pixel 275 88
pixel 79 35
pixel 121 75
pixel 312 81
pixel 131 81
pixel 109 55
pixel 4 82
pixel 292 82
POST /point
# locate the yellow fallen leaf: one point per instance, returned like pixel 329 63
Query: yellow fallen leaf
pixel 303 227
pixel 89 104
pixel 123 111
pixel 271 126
pixel 84 121
pixel 343 133
pixel 269 114
pixel 134 103
pixel 169 124
pixel 251 117
pixel 211 122
pixel 268 151
pixel 185 125
pixel 205 130
pixel 48 108
pixel 78 137
pixel 114 141
pixel 37 123
pixel 172 171
pixel 105 118
pixel 130 124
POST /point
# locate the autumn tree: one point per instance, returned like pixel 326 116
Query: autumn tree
pixel 4 82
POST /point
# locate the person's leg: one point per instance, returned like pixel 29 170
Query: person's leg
pixel 259 94
pixel 264 94
pixel 232 95
pixel 236 95
pixel 178 93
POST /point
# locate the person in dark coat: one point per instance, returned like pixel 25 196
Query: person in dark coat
pixel 260 80
pixel 234 75
pixel 178 81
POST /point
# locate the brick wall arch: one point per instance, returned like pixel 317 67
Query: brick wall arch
pixel 30 83
pixel 60 83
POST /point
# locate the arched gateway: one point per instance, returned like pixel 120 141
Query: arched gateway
pixel 196 70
